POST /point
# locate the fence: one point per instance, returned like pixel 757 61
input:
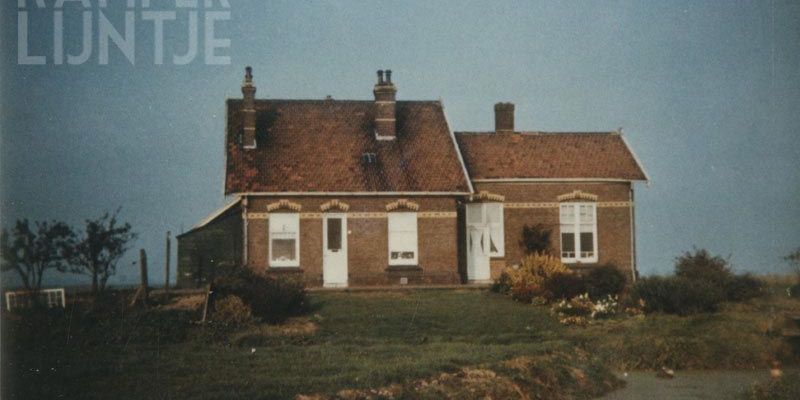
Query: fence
pixel 51 298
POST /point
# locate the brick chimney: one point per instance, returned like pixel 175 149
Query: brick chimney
pixel 504 117
pixel 249 110
pixel 385 122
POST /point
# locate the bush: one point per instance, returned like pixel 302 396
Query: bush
pixel 502 284
pixel 743 287
pixel 563 286
pixel 701 265
pixel 271 300
pixel 677 295
pixel 794 291
pixel 528 281
pixel 231 310
pixel 604 281
pixel 535 239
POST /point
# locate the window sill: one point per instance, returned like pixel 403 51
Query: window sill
pixel 403 268
pixel 285 270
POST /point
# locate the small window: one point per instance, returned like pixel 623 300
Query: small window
pixel 403 238
pixel 284 240
pixel 578 232
pixel 369 158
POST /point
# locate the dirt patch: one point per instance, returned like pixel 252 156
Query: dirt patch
pixel 547 376
pixel 193 302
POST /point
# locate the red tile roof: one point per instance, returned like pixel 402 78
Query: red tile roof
pixel 490 155
pixel 319 146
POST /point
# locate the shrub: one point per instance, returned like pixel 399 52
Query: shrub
pixel 604 281
pixel 743 287
pixel 272 300
pixel 528 280
pixel 565 286
pixel 233 311
pixel 502 284
pixel 535 239
pixel 677 295
pixel 701 265
pixel 794 291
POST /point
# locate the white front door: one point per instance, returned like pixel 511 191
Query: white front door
pixel 477 246
pixel 334 250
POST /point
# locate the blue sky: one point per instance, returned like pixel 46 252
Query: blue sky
pixel 707 93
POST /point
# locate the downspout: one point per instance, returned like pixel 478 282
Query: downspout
pixel 244 231
pixel 634 271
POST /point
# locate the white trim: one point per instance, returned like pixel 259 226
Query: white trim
pixel 384 102
pixel 385 119
pixel 577 233
pixel 215 214
pixel 376 194
pixel 401 261
pixel 537 180
pixel 635 157
pixel 458 151
pixel 288 263
pixel 385 138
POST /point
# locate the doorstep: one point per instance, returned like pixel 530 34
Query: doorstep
pixel 469 286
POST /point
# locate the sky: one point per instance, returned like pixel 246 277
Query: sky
pixel 707 94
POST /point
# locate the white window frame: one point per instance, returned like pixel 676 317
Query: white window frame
pixel 578 258
pixel 287 221
pixel 497 233
pixel 395 219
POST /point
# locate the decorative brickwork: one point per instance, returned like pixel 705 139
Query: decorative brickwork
pixel 283 205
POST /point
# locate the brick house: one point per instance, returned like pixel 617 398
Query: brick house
pixel 381 192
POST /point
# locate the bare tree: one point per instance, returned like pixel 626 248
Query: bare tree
pixel 99 248
pixel 31 253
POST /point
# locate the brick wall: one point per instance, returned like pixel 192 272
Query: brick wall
pixel 613 219
pixel 367 240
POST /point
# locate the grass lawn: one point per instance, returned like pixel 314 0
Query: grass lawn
pixel 362 340
pixel 365 339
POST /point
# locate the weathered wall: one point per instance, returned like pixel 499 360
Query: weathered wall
pixel 537 204
pixel 367 240
pixel 218 244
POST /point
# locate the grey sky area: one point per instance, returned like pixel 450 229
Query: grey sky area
pixel 708 95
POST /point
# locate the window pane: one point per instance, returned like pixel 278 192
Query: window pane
pixel 587 244
pixel 494 213
pixel 567 245
pixel 334 234
pixel 283 249
pixel 567 214
pixel 474 215
pixel 587 213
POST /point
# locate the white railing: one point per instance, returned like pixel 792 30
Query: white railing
pixel 51 298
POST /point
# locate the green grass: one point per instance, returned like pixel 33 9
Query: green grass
pixel 369 340
pixel 365 340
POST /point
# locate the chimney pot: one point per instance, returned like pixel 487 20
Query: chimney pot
pixel 504 117
pixel 389 76
pixel 380 77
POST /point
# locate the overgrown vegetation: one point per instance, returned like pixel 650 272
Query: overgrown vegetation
pixel 420 343
pixel 700 284
pixel 535 239
pixel 270 299
pixel 793 259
